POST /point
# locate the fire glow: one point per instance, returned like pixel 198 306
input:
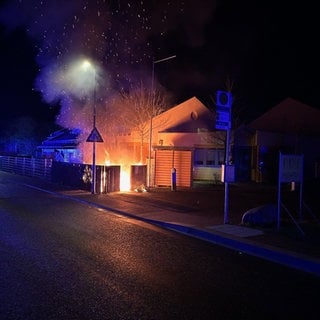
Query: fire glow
pixel 108 156
pixel 125 179
pixel 125 183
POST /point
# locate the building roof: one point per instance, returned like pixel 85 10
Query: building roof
pixel 64 138
pixel 189 116
pixel 291 117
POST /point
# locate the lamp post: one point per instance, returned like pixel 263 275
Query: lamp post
pixel 87 66
pixel 152 114
pixel 94 173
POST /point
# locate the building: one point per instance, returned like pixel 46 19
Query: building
pixel 184 139
pixel 62 145
pixel 290 127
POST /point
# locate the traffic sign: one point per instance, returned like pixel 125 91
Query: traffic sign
pixel 223 125
pixel 224 98
pixel 94 136
pixel 223 116
pixel 223 110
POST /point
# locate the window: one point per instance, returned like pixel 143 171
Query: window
pixel 199 156
pixel 209 157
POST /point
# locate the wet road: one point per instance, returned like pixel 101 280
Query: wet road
pixel 61 259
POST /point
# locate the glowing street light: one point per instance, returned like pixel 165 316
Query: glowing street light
pixel 152 114
pixel 94 136
pixel 86 65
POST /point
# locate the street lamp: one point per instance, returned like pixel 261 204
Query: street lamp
pixel 152 114
pixel 94 171
pixel 94 135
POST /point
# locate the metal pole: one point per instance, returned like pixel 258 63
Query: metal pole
pixel 94 173
pixel 301 189
pixel 149 184
pixel 226 184
pixel 151 124
pixel 93 186
pixel 164 59
pixel 279 192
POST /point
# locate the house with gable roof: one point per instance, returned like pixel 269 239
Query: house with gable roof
pixel 184 138
pixel 62 145
pixel 291 127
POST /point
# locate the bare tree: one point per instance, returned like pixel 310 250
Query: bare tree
pixel 138 107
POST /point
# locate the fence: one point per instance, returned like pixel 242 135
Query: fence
pixel 73 175
pixel 79 176
pixel 32 167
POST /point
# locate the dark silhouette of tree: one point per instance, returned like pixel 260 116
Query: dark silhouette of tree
pixel 19 137
pixel 22 135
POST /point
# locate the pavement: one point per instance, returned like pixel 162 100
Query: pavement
pixel 200 213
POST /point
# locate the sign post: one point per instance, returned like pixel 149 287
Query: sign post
pixel 94 137
pixel 290 170
pixel 223 122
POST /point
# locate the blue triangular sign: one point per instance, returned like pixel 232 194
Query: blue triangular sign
pixel 94 136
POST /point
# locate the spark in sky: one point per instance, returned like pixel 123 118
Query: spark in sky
pixel 123 37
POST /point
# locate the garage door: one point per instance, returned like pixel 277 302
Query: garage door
pixel 166 160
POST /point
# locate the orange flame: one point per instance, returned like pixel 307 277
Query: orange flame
pixel 120 158
pixel 125 184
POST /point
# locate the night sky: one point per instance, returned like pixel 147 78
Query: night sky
pixel 268 50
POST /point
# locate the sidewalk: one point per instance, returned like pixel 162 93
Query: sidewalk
pixel 199 212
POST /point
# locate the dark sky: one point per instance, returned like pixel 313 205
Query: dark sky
pixel 268 50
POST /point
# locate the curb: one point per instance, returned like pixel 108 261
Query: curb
pixel 273 254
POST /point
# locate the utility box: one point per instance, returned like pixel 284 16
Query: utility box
pixel 228 173
pixel 79 176
pixel 107 179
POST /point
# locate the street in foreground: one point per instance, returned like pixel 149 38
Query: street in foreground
pixel 61 259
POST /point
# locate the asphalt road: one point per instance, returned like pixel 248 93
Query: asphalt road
pixel 62 259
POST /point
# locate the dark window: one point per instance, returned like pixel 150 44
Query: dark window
pixel 199 157
pixel 209 157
